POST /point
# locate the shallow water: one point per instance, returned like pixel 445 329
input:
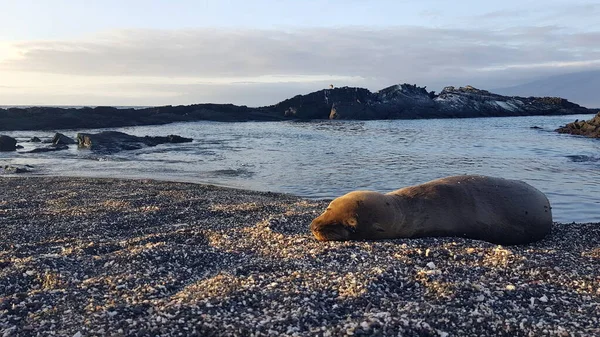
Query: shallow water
pixel 324 159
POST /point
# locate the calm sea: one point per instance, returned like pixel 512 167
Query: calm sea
pixel 325 159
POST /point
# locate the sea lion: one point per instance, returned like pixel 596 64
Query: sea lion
pixel 497 210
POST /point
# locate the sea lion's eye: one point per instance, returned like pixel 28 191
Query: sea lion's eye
pixel 352 222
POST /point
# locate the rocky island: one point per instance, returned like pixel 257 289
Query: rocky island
pixel 403 101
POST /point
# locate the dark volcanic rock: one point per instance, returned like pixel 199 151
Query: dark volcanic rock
pixel 109 141
pixel 35 140
pixel 396 102
pixel 13 169
pixel 60 139
pixel 7 143
pixel 168 139
pixel 51 118
pixel 352 110
pixel 114 141
pixel 589 128
pixel 410 101
pixel 406 101
pixel 472 102
pixel 51 148
pixel 318 104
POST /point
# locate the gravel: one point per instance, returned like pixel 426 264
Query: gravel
pixel 88 257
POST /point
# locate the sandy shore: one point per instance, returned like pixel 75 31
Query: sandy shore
pixel 84 257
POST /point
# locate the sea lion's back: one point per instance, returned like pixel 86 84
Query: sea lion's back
pixel 493 209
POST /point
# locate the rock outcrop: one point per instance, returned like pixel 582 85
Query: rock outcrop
pixel 472 102
pixel 114 141
pixel 14 169
pixel 589 128
pixel 52 118
pixel 7 143
pixel 60 139
pixel 49 148
pixel 403 101
pixel 411 102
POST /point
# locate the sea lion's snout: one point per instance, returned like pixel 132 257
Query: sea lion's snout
pixel 329 231
pixel 339 222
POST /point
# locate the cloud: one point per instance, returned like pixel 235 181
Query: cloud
pixel 573 15
pixel 567 11
pixel 181 61
pixel 499 15
pixel 581 64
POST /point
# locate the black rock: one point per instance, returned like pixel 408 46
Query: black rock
pixel 60 139
pixel 35 140
pixel 50 148
pixel 410 101
pixel 168 139
pixel 7 143
pixel 109 141
pixel 51 118
pixel 114 141
pixel 13 169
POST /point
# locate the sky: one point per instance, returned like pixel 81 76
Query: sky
pixel 151 52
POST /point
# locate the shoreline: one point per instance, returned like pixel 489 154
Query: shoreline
pixel 143 257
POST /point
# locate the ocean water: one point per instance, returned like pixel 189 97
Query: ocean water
pixel 325 159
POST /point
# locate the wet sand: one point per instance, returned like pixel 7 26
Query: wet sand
pixel 84 257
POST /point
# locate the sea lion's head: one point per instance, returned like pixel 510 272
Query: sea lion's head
pixel 354 216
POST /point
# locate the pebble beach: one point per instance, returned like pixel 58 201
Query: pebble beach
pixel 111 257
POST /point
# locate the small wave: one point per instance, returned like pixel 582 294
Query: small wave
pixel 107 158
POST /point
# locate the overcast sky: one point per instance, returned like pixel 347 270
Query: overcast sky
pixel 259 52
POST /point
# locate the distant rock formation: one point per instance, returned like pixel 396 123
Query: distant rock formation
pixel 410 102
pixel 403 101
pixel 472 102
pixel 52 118
pixel 589 128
